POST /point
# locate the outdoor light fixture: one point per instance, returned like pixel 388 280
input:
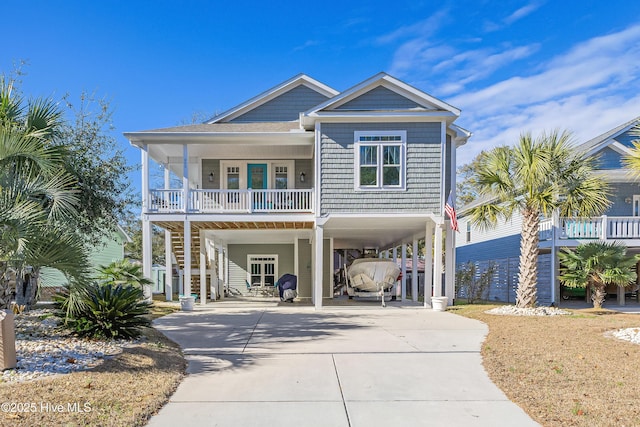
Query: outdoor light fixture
pixel 628 200
pixel 211 177
pixel 302 176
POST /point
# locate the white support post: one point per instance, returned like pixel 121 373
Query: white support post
pixel 296 259
pixel 168 266
pixel 403 282
pixel 215 283
pixel 318 242
pixel 147 255
pixel 603 231
pixel 145 178
pixel 203 268
pixel 330 268
pixel 187 258
pixel 555 220
pixel 450 264
pixel 221 281
pixel 428 263
pixel 396 287
pixel 437 262
pixel 185 176
pixel 225 257
pixel 414 271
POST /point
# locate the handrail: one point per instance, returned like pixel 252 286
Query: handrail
pixel 232 201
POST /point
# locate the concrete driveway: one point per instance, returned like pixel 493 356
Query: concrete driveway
pixel 341 366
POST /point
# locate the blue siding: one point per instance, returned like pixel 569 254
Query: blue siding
pixel 609 158
pixel 621 191
pixel 627 139
pixel 379 98
pixel 286 107
pixel 504 247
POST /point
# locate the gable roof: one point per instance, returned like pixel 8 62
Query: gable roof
pixel 426 104
pixel 601 141
pixel 274 92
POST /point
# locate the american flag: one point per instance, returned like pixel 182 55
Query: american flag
pixel 450 209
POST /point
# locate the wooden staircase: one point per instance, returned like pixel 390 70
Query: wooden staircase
pixel 177 245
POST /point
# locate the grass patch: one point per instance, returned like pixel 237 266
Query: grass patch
pixel 563 370
pixel 123 391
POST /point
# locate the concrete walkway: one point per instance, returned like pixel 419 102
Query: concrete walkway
pixel 341 366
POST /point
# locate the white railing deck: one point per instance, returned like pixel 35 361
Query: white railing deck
pixel 231 201
pixel 603 227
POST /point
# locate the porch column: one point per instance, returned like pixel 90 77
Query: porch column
pixel 168 266
pixel 398 291
pixel 330 267
pixel 403 282
pixel 225 257
pixel 203 268
pixel 147 254
pixel 215 283
pixel 145 178
pixel 428 263
pixel 450 264
pixel 414 271
pixel 185 176
pixel 221 269
pixel 296 260
pixel 437 262
pixel 318 241
pixel 187 257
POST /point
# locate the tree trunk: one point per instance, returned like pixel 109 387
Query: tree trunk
pixel 27 290
pixel 528 272
pixel 6 290
pixel 599 294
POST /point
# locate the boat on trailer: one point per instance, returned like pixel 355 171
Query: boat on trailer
pixel 372 277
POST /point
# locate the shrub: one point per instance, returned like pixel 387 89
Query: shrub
pixel 109 311
pixel 472 285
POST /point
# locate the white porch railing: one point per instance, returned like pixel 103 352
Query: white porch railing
pixel 232 201
pixel 604 227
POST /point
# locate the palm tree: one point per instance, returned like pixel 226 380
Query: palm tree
pixel 596 265
pixel 632 160
pixel 35 192
pixel 534 178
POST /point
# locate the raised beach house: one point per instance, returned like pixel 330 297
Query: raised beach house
pixel 621 223
pixel 278 183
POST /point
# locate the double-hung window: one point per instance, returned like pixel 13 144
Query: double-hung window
pixel 380 160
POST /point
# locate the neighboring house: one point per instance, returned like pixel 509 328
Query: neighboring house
pixel 111 249
pixel 621 222
pixel 280 182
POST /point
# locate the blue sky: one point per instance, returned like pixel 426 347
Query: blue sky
pixel 511 66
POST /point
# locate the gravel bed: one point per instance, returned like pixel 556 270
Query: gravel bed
pixel 43 349
pixel 512 310
pixel 628 334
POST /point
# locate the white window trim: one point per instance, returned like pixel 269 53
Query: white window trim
pixel 403 159
pixel 275 267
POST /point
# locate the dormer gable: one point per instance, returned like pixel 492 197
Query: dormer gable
pixel 281 103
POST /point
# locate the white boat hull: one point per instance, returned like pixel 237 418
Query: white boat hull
pixel 372 275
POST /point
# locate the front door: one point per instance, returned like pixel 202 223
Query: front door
pixel 257 180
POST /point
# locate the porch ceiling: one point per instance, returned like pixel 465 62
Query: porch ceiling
pixel 242 150
pixel 375 231
pixel 236 225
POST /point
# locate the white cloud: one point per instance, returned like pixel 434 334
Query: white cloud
pixel 521 13
pixel 590 89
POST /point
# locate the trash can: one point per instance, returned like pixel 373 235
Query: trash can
pixel 7 340
pixel 186 303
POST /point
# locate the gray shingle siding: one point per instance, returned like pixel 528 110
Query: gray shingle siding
pixel 422 193
pixel 379 98
pixel 619 192
pixel 285 107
